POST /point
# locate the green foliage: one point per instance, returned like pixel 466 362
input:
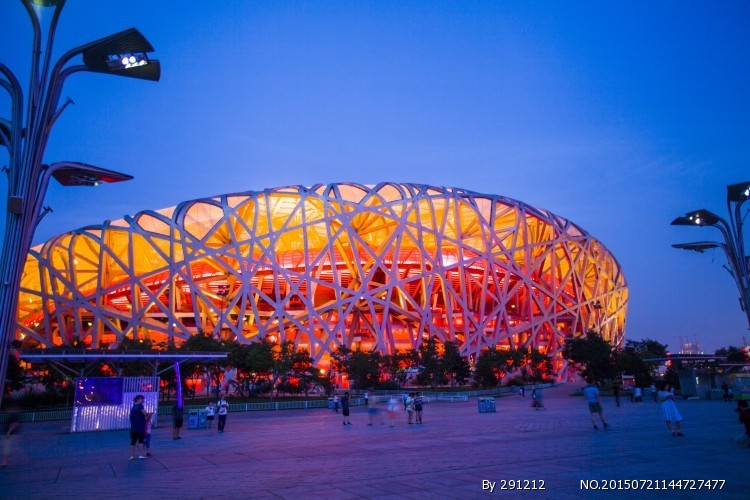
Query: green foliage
pixel 594 355
pixel 631 360
pixel 431 368
pixel 210 371
pixel 493 364
pixel 362 368
pixel 15 378
pixel 733 354
pixel 454 364
pixel 537 366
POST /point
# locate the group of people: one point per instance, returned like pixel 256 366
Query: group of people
pixel 413 404
pixel 141 422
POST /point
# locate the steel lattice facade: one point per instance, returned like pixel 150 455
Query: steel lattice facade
pixel 376 267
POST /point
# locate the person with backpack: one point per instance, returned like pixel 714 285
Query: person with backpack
pixel 223 409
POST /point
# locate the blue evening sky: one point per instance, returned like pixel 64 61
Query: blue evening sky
pixel 617 115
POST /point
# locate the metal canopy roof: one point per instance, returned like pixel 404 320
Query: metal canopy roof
pixel 86 355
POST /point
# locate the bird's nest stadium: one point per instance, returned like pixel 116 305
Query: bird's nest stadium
pixel 366 266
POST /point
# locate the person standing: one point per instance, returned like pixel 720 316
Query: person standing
pixel 410 407
pixel 522 392
pixel 177 416
pixel 594 400
pixel 336 402
pixel 669 410
pixel 743 411
pixel 223 409
pixel 138 415
pixel 418 406
pixel 367 398
pixel 345 408
pixel 616 392
pixel 147 435
pixel 210 412
pixel 725 391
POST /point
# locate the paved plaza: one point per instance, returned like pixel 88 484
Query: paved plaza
pixel 310 454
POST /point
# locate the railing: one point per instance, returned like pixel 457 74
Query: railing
pixel 375 397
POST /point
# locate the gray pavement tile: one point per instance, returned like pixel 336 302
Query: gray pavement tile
pixel 308 454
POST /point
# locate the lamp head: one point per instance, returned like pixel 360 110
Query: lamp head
pixel 123 54
pixel 81 174
pixel 700 246
pixel 738 192
pixel 697 218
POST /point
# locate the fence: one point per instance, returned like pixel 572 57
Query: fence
pixel 379 397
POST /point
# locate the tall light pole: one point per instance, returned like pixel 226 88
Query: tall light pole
pixel 731 231
pixel 26 132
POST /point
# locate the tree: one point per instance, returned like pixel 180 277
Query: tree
pixel 211 371
pixel 733 354
pixel 593 355
pixel 493 364
pixel 16 377
pixel 362 368
pixel 537 364
pixel 430 367
pixel 631 359
pixel 454 364
pixel 396 365
pixel 283 359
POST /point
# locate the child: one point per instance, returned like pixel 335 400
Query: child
pixel 210 412
pixel 147 435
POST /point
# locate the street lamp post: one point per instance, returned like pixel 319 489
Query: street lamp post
pixel 731 231
pixel 25 135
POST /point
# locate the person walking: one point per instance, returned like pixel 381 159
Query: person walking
pixel 12 429
pixel 345 408
pixel 410 407
pixel 522 392
pixel 178 413
pixel 594 400
pixel 223 409
pixel 669 410
pixel 147 435
pixel 336 403
pixel 138 415
pixel 725 391
pixel 210 413
pixel 392 409
pixel 536 399
pixel 418 406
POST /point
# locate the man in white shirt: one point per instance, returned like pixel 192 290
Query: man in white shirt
pixel 222 410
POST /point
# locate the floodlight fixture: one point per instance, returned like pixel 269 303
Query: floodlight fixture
pixel 699 246
pixel 124 54
pixel 703 217
pixel 738 192
pixel 80 174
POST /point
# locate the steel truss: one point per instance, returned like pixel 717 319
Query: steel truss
pixel 377 267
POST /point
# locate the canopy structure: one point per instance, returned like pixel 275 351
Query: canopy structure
pixel 76 362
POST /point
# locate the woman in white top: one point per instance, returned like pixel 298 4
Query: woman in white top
pixel 669 409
